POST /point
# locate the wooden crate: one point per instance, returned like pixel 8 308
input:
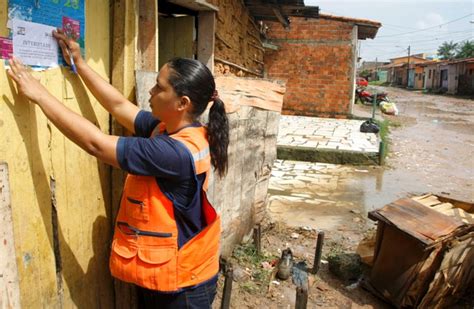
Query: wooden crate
pixel 424 251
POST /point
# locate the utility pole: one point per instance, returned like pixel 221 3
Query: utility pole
pixel 376 69
pixel 408 67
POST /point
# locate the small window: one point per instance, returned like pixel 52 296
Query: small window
pixel 470 71
pixel 429 73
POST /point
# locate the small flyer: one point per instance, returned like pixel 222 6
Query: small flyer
pixel 71 28
pixel 34 44
pixel 6 48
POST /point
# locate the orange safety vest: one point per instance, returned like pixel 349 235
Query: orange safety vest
pixel 145 245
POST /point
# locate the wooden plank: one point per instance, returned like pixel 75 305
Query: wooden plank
pixel 206 38
pixel 196 5
pixel 123 79
pixel 418 198
pixel 430 200
pixel 176 38
pixel 145 80
pixel 460 214
pixel 148 35
pixel 441 207
pixel 9 281
pixel 259 93
pixel 415 219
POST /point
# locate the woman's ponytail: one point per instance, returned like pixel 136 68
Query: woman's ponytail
pixel 192 78
pixel 218 135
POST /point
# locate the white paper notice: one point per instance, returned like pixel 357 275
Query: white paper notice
pixel 34 44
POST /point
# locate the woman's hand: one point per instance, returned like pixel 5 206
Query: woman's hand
pixel 27 85
pixel 69 47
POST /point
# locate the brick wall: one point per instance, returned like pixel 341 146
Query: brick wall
pixel 316 59
pixel 237 39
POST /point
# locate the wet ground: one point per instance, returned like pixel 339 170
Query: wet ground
pixel 431 150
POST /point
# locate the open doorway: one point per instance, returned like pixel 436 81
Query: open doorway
pixel 177 32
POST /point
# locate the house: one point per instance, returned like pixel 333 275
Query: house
pixel 317 57
pixel 453 77
pixel 371 69
pixel 431 72
pixel 465 69
pixel 401 70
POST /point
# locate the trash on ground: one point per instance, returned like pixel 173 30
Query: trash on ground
pixel 294 235
pixel 389 108
pixel 285 264
pixel 369 126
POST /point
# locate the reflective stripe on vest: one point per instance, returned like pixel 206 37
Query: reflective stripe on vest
pixel 145 246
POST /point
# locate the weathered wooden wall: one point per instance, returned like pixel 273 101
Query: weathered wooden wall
pixel 254 109
pixel 59 195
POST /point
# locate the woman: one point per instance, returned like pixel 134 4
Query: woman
pixel 166 237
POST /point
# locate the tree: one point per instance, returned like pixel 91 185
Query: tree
pixel 447 50
pixel 465 49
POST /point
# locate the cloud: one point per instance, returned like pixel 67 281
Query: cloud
pixel 430 20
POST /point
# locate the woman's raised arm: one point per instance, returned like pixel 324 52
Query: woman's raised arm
pixel 75 127
pixel 110 98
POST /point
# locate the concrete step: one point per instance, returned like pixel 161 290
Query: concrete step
pixel 328 140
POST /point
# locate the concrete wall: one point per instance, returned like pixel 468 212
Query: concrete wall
pixel 59 195
pixel 316 59
pixel 237 40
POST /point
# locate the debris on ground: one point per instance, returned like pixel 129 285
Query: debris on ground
pixel 424 253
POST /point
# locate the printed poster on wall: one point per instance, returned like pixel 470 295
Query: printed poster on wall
pixel 34 43
pixel 65 14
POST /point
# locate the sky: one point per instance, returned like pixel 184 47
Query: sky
pixel 447 20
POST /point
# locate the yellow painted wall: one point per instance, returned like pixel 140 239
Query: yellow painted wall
pixel 37 152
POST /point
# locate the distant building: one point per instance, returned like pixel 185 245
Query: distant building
pixel 369 69
pixel 401 70
pixel 453 77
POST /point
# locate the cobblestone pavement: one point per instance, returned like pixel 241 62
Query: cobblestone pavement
pixel 325 133
pixel 314 194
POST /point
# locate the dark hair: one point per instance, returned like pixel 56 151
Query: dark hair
pixel 192 78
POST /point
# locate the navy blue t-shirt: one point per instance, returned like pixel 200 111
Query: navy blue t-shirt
pixel 172 165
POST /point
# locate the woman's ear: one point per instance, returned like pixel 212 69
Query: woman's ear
pixel 184 103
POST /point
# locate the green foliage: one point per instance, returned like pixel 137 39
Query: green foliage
pixel 465 49
pixel 378 83
pixel 450 50
pixel 247 257
pixel 447 50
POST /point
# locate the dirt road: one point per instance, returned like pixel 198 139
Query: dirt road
pixel 431 150
pixel 434 147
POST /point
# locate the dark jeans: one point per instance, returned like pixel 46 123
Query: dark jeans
pixel 200 297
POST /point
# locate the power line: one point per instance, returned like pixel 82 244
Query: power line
pixel 449 22
pixel 433 41
pixel 434 37
pixel 414 51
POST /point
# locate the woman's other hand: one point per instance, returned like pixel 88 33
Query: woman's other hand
pixel 27 85
pixel 69 47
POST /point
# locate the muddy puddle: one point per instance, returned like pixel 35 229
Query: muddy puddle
pixel 431 150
